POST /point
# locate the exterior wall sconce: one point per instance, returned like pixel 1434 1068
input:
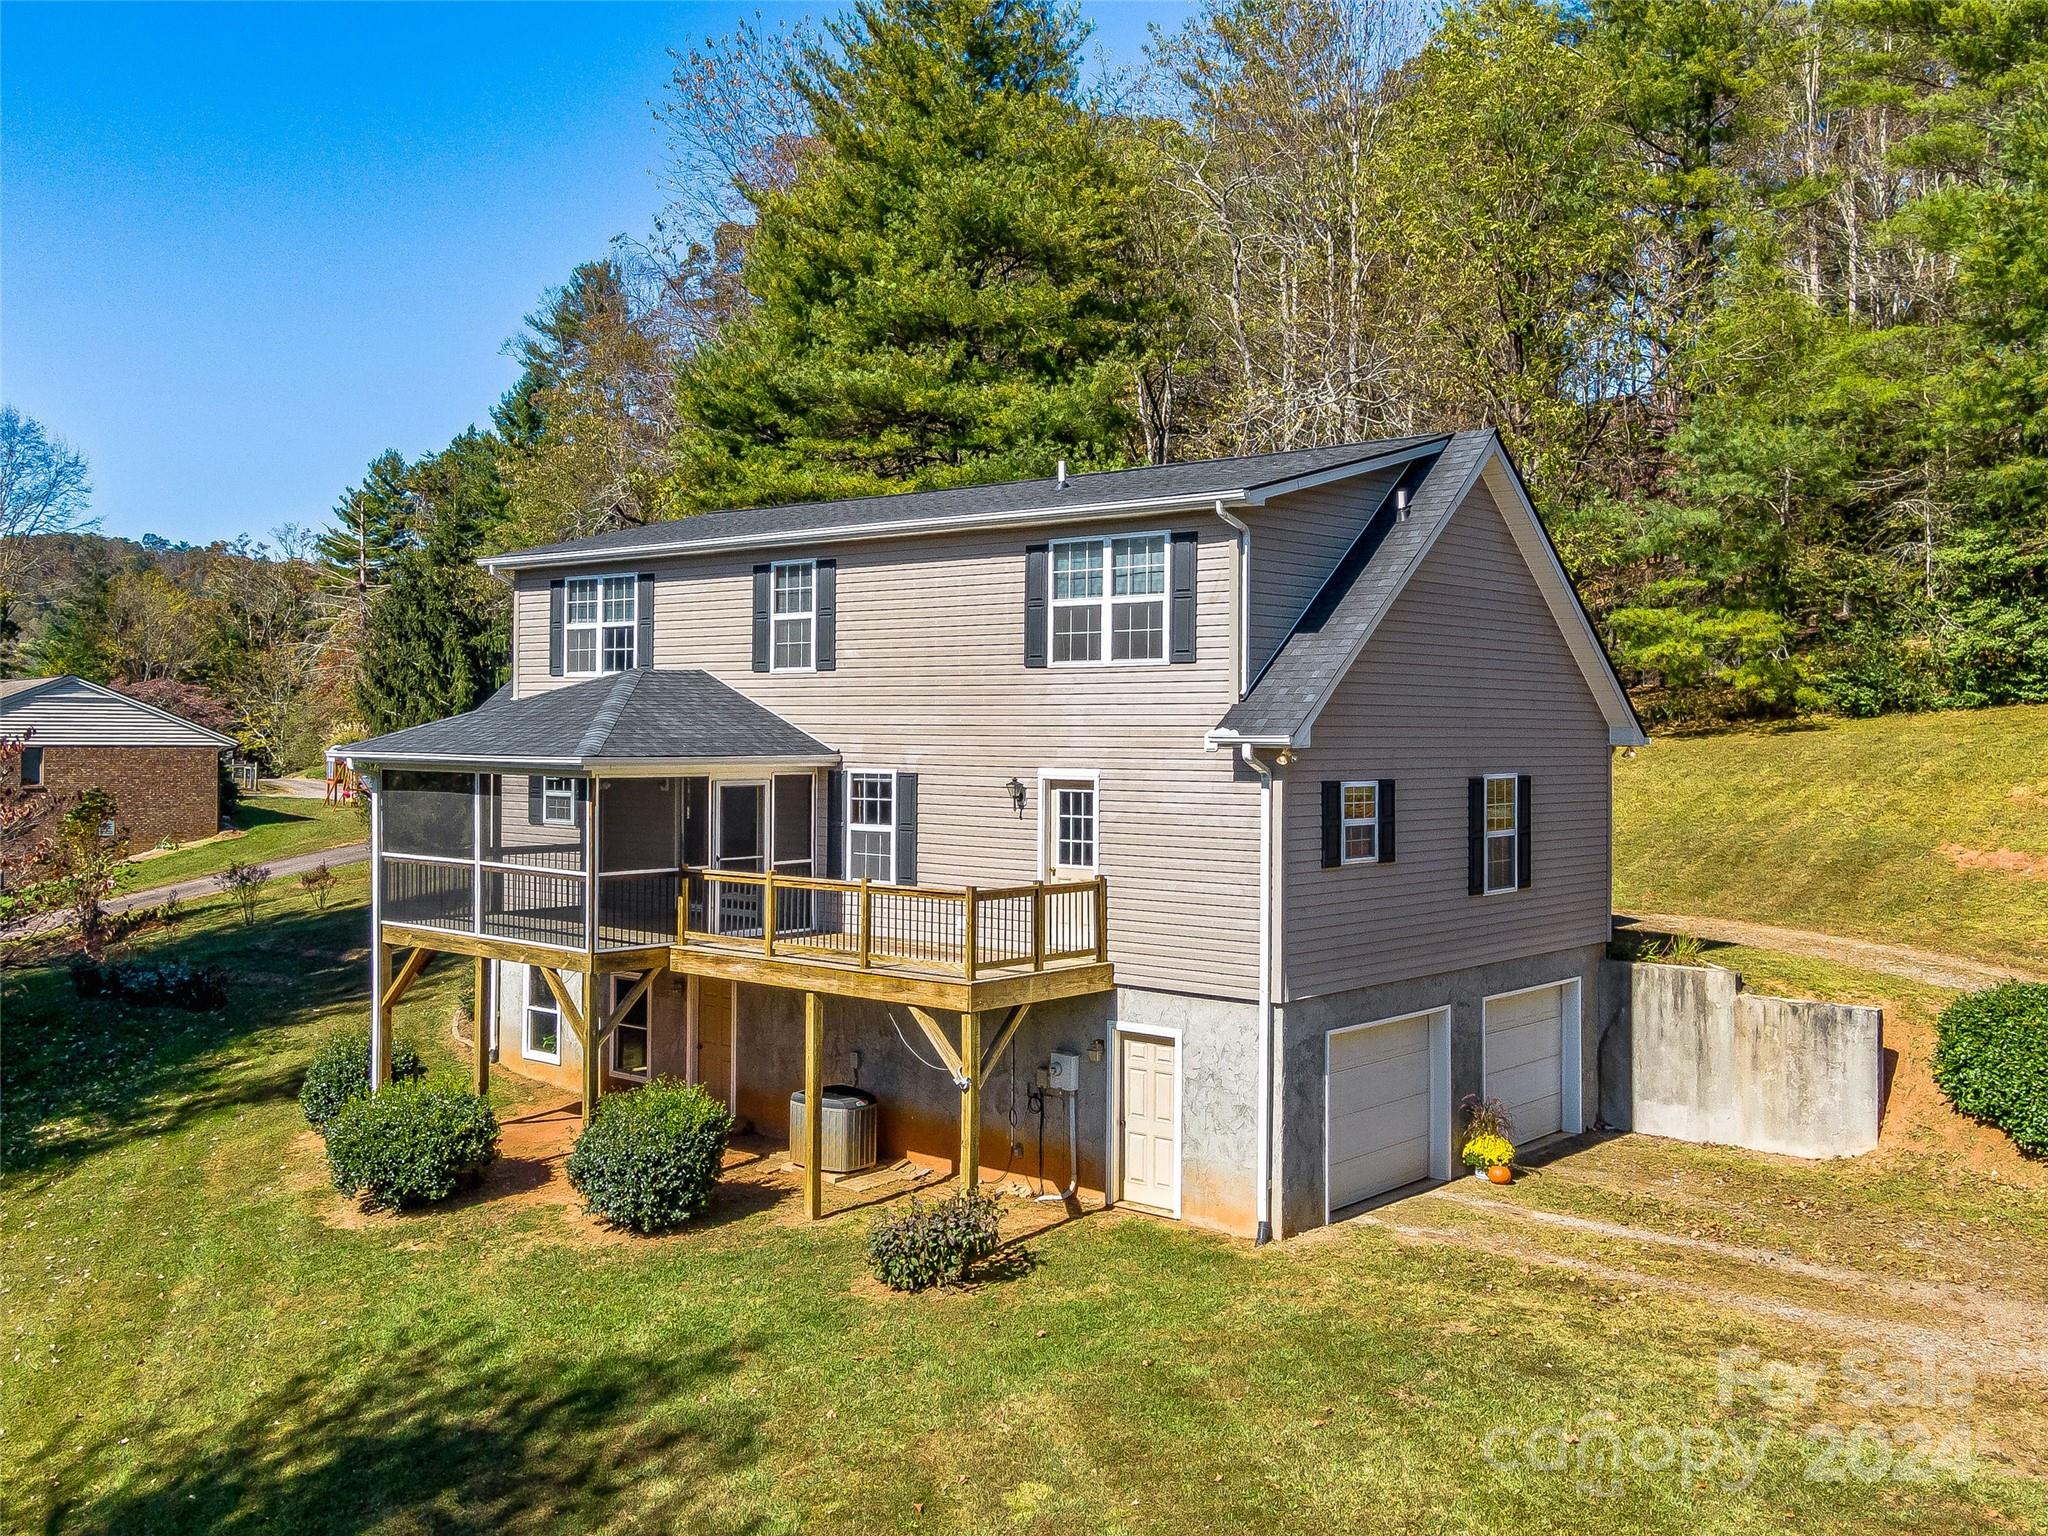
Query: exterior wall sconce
pixel 1016 789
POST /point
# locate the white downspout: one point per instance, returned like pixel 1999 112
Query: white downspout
pixel 1244 597
pixel 1262 1193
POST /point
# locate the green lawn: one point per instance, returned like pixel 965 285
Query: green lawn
pixel 1928 830
pixel 207 1339
pixel 265 827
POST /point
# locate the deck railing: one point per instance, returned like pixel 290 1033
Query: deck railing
pixel 636 908
pixel 969 931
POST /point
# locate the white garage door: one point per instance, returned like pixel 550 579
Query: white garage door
pixel 1379 1108
pixel 1525 1060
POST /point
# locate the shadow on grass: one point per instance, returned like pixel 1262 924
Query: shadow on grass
pixel 86 1074
pixel 451 1436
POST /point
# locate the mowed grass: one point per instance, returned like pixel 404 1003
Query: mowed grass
pixel 1927 830
pixel 265 827
pixel 205 1338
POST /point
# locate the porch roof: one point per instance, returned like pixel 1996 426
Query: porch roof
pixel 644 720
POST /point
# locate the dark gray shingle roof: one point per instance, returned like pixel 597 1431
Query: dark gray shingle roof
pixel 1322 646
pixel 1031 499
pixel 650 715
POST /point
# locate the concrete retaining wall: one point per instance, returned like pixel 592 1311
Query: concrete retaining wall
pixel 1686 1053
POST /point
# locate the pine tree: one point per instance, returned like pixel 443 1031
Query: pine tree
pixel 372 526
pixel 942 294
pixel 75 640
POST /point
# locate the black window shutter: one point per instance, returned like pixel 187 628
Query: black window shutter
pixel 1522 831
pixel 1475 836
pixel 582 800
pixel 1333 823
pixel 555 599
pixel 1037 580
pixel 1386 804
pixel 643 647
pixel 906 829
pixel 1183 589
pixel 835 825
pixel 760 618
pixel 828 615
pixel 535 815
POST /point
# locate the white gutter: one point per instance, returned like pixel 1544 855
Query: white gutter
pixel 1244 595
pixel 849 534
pixel 1262 1193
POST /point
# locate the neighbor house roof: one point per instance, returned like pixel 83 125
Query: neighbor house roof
pixel 651 718
pixel 1247 481
pixel 71 712
pixel 1281 706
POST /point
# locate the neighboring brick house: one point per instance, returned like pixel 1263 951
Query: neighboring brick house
pixel 163 771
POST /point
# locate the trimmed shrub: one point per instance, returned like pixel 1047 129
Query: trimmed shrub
pixel 1991 1059
pixel 650 1156
pixel 934 1244
pixel 413 1143
pixel 339 1074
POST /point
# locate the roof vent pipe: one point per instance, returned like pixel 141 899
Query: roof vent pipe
pixel 1060 474
pixel 1401 504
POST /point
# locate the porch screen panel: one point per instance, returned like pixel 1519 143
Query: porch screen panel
pixel 431 814
pixel 525 839
pixel 795 911
pixel 636 824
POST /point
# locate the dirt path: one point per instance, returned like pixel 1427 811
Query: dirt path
pixel 1925 965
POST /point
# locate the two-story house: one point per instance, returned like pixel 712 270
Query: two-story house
pixel 1269 795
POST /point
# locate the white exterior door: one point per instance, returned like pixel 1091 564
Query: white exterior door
pixel 1525 1060
pixel 1382 1106
pixel 1150 1099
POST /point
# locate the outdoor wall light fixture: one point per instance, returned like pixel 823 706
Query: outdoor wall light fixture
pixel 1016 789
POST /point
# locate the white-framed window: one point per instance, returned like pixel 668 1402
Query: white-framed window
pixel 1073 829
pixel 1108 599
pixel 600 625
pixel 557 802
pixel 541 1039
pixel 1503 832
pixel 630 1034
pixel 871 827
pixel 793 616
pixel 1361 811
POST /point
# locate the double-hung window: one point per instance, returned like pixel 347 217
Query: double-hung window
pixel 1109 592
pixel 629 1035
pixel 1361 809
pixel 543 1037
pixel 794 616
pixel 557 802
pixel 871 826
pixel 1503 829
pixel 600 624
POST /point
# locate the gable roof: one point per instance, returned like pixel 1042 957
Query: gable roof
pixel 1250 480
pixel 68 711
pixel 1281 706
pixel 647 717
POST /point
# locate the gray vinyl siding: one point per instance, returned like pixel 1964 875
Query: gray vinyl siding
pixel 1297 541
pixel 1467 675
pixel 931 679
pixel 71 713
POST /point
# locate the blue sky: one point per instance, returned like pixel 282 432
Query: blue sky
pixel 245 248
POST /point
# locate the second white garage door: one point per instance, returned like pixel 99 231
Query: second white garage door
pixel 1525 1059
pixel 1383 1104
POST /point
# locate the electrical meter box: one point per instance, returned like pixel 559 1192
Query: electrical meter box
pixel 1064 1071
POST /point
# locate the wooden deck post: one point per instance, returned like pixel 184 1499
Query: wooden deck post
pixel 970 934
pixel 380 1016
pixel 480 1023
pixel 970 1101
pixel 814 1094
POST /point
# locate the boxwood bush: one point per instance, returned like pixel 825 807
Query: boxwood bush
pixel 339 1074
pixel 649 1157
pixel 413 1143
pixel 935 1244
pixel 1991 1059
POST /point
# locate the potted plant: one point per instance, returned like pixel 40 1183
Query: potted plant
pixel 1487 1150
